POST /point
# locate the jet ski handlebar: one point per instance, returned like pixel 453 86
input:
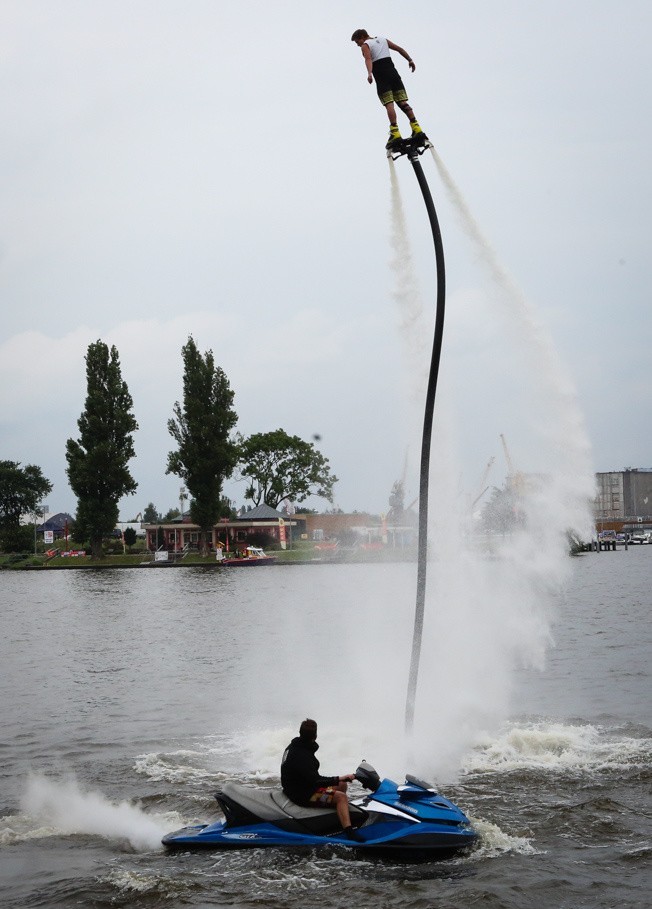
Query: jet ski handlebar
pixel 367 776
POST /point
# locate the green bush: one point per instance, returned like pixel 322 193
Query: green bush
pixel 130 537
pixel 17 539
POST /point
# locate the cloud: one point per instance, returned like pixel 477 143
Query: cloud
pixel 162 176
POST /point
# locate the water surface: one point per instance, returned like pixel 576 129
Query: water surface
pixel 128 696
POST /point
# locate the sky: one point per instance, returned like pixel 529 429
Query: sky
pixel 215 169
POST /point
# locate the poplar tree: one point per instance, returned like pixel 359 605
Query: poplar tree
pixel 98 461
pixel 206 455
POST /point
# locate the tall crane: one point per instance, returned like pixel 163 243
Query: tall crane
pixel 515 479
pixel 482 484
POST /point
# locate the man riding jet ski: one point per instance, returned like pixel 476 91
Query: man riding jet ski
pixel 408 821
pixel 303 784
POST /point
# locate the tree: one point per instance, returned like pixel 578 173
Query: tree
pixel 206 455
pixel 281 467
pixel 160 537
pixel 150 514
pixel 129 536
pixel 97 462
pixel 17 539
pixel 501 514
pixel 21 489
pixel 396 503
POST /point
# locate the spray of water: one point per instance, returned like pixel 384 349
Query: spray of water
pixel 557 420
pixel 64 806
pixel 487 616
pixel 406 293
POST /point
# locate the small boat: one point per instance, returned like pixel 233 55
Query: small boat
pixel 253 555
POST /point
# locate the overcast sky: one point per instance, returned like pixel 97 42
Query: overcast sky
pixel 217 169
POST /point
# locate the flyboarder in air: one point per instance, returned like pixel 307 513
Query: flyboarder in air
pixel 380 67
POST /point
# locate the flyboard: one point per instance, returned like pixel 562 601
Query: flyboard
pixel 413 146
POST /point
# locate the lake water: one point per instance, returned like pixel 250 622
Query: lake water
pixel 128 696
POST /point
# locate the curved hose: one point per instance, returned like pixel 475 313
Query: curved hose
pixel 422 552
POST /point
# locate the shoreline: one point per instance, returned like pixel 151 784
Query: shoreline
pixel 211 565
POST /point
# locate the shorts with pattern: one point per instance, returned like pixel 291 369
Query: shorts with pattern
pixel 389 84
pixel 323 796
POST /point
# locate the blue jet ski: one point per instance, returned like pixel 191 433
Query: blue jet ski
pixel 409 821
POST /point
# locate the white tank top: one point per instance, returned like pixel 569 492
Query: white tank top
pixel 378 48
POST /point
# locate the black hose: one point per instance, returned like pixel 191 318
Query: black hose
pixel 422 552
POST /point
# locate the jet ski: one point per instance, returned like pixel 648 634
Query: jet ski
pixel 408 821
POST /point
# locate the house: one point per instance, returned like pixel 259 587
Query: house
pixel 366 529
pixel 59 525
pixel 181 533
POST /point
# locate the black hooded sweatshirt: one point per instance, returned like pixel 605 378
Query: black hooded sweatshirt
pixel 300 771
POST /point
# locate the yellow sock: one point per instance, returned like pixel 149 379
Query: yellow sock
pixel 415 127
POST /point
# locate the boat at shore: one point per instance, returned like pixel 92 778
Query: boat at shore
pixel 252 555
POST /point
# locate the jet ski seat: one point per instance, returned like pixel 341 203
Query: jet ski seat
pixel 258 802
pixel 301 812
pixel 245 805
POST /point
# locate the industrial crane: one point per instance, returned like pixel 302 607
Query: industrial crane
pixel 482 484
pixel 515 479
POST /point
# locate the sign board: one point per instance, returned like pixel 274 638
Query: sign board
pixel 48 536
pixel 161 556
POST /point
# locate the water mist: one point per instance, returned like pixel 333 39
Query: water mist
pixel 63 806
pixel 489 613
pixel 406 293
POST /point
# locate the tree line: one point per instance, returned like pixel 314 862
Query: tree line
pixel 276 466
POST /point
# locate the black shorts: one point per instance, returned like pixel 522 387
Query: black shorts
pixel 388 82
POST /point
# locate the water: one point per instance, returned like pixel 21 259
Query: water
pixel 128 696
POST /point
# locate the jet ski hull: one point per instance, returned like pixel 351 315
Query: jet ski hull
pixel 430 841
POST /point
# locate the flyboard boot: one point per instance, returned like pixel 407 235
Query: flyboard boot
pixel 395 141
pixel 418 137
